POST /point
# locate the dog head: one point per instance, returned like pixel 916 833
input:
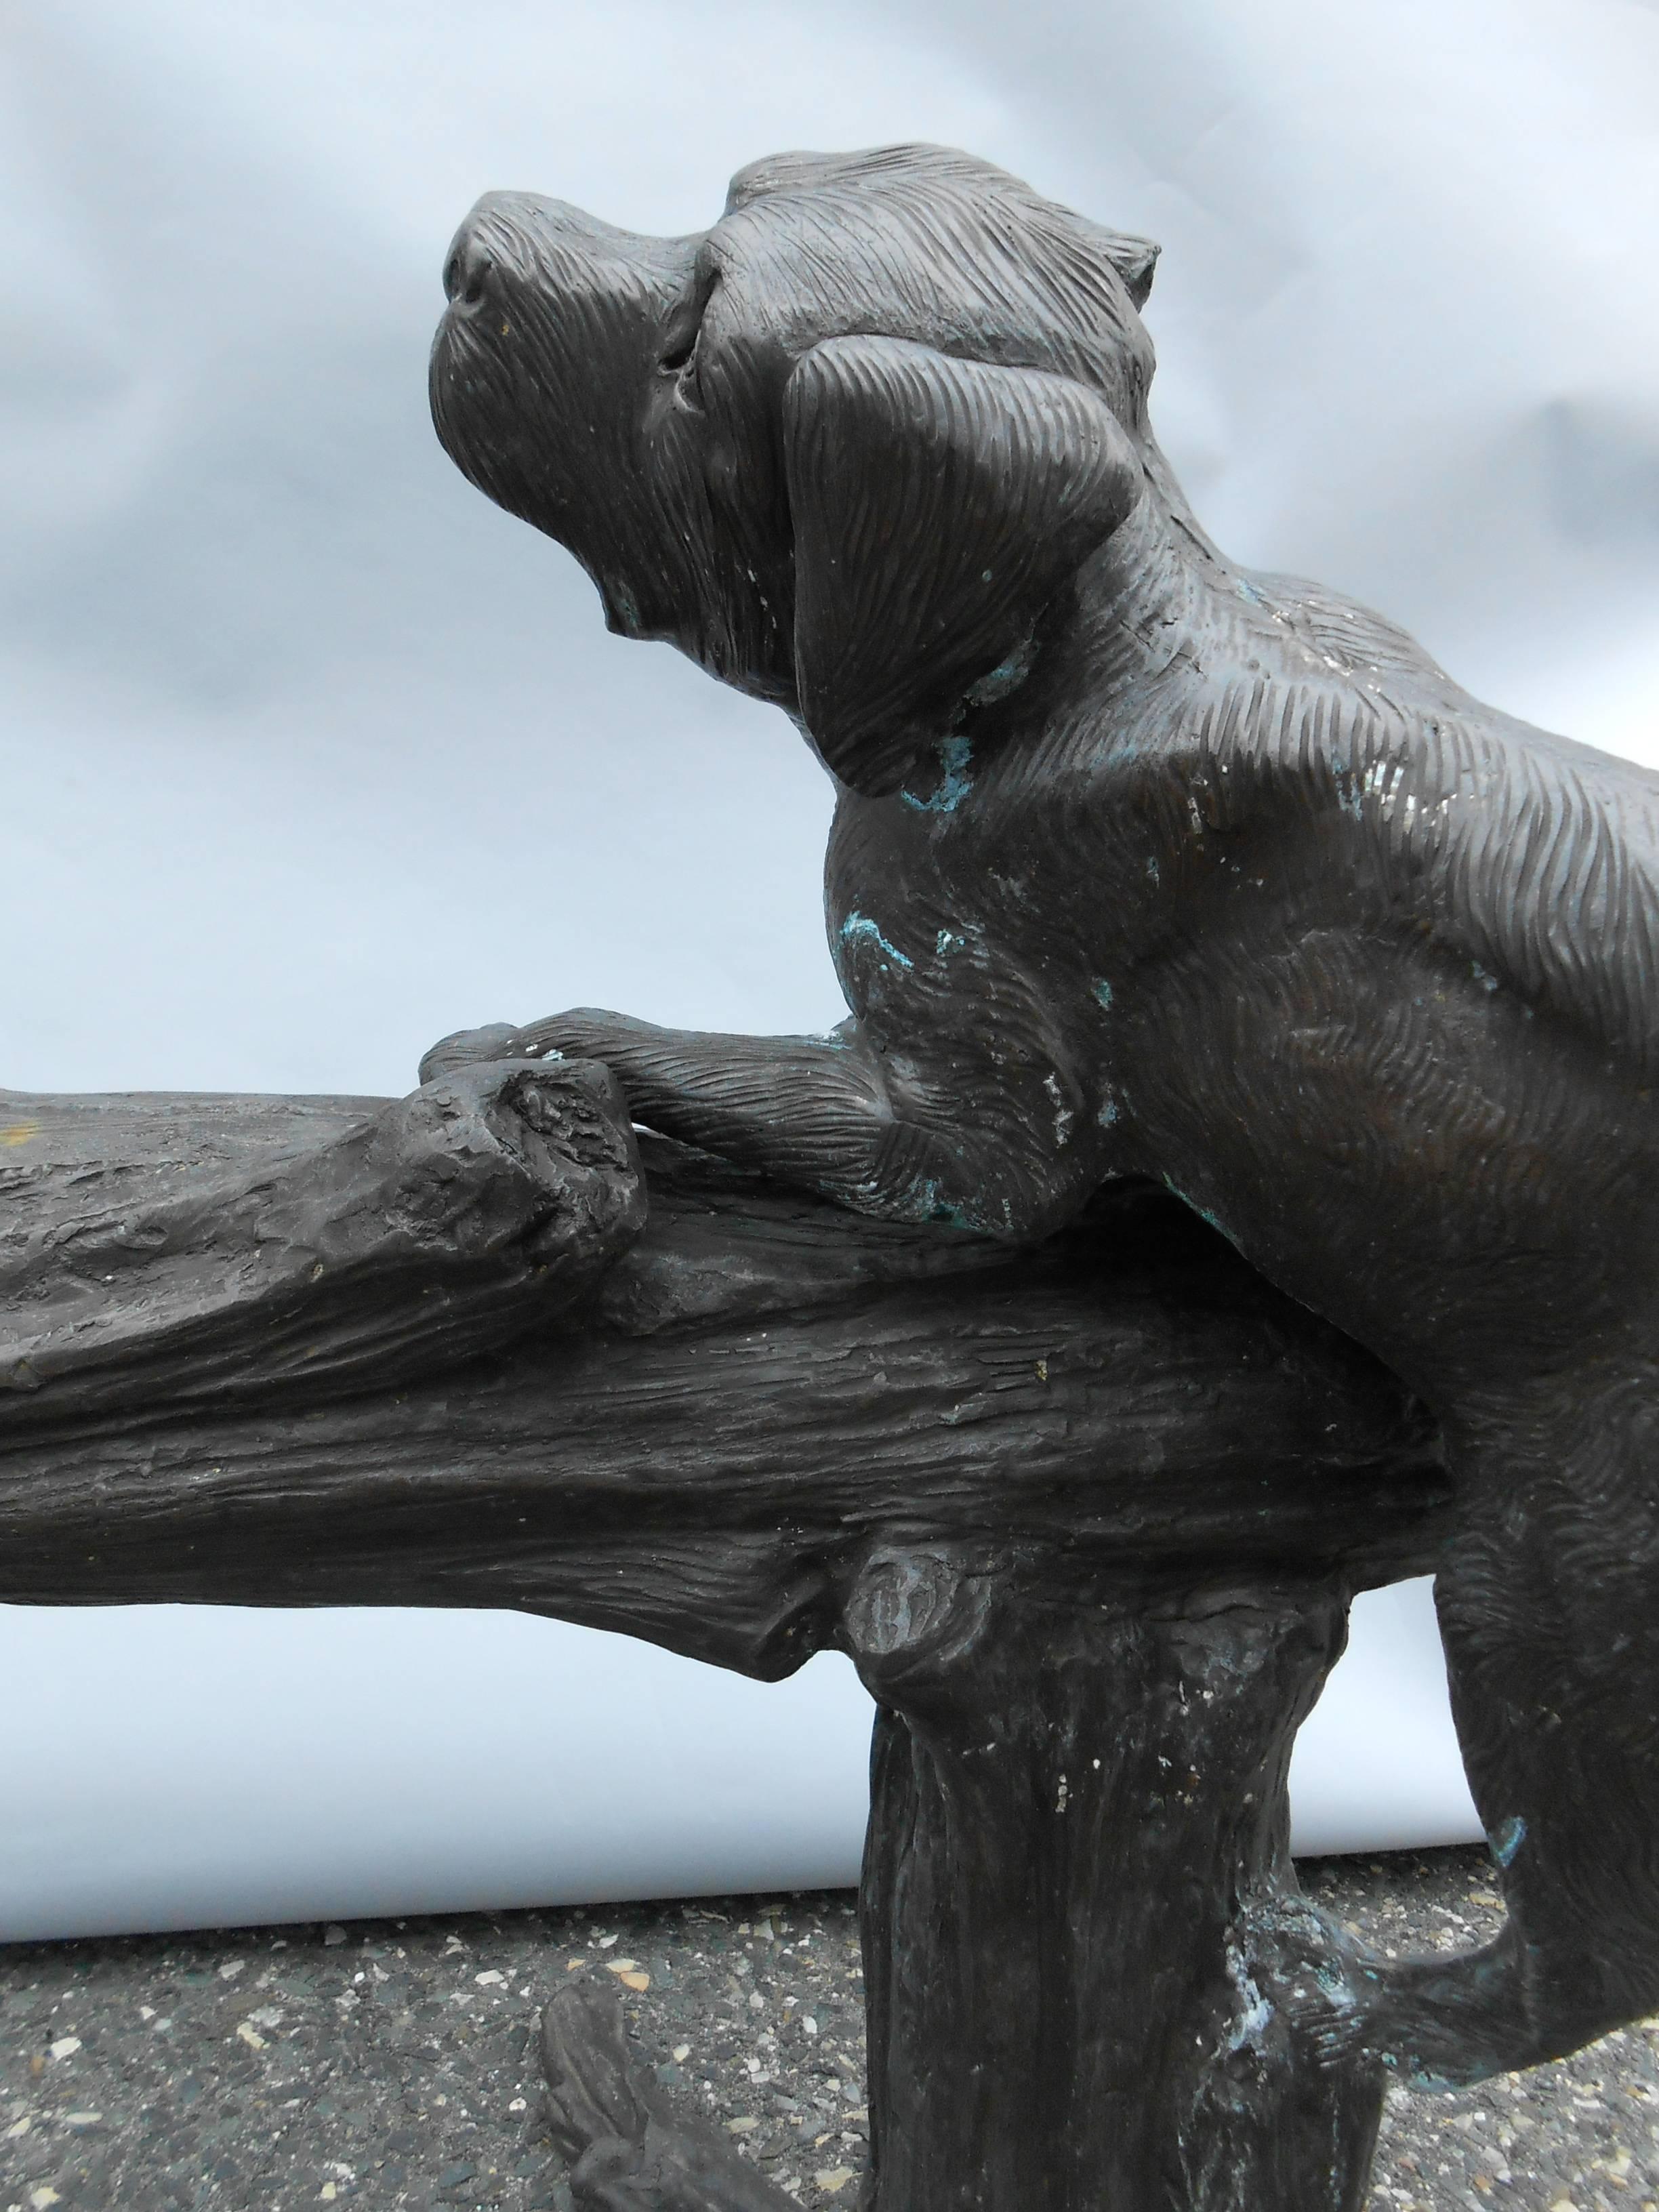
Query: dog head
pixel 843 448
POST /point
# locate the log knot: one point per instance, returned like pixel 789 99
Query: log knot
pixel 915 1612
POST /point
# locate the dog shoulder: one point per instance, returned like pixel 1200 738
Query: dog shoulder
pixel 1344 636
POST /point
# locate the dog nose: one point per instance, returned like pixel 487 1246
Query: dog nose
pixel 468 270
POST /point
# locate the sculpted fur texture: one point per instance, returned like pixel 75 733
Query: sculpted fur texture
pixel 1145 865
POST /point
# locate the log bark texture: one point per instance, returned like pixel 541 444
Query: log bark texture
pixel 1086 1516
pixel 190 1251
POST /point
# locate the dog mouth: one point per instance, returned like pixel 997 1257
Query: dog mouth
pixel 551 320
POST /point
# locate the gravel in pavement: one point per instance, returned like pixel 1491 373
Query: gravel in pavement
pixel 392 2063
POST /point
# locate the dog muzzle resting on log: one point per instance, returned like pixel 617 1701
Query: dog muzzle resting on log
pixel 1144 864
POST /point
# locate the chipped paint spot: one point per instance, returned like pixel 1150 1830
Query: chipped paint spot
pixel 1007 677
pixel 1063 1113
pixel 859 926
pixel 1107 1115
pixel 1256 2014
pixel 1202 1212
pixel 1486 981
pixel 955 1217
pixel 1507 1838
pixel 1103 993
pixel 1334 1985
pixel 930 1204
pixel 947 942
pixel 955 757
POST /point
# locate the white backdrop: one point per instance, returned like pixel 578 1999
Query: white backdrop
pixel 311 755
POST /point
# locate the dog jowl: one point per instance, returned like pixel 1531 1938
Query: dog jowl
pixel 1147 865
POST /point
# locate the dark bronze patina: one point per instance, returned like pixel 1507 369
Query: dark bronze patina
pixel 1232 1190
pixel 1147 865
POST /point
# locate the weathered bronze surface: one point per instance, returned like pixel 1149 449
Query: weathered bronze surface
pixel 1233 1187
pixel 1146 866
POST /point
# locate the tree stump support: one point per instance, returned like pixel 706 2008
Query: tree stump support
pixel 1079 1908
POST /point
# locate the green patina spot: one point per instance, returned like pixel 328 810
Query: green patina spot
pixel 859 927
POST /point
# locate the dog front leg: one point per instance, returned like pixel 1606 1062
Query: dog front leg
pixel 822 1112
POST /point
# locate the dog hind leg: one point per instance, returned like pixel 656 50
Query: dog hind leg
pixel 1549 1610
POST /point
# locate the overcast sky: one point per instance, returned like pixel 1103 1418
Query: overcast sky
pixel 310 755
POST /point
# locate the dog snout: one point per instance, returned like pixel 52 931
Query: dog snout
pixel 491 245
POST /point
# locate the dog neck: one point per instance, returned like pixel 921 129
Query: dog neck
pixel 1128 614
pixel 1138 597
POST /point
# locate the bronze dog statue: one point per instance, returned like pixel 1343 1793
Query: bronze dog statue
pixel 1145 865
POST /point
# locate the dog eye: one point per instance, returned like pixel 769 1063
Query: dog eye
pixel 685 325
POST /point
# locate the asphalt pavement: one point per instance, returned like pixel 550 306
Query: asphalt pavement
pixel 392 2064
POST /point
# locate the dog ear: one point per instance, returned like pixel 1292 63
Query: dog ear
pixel 938 504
